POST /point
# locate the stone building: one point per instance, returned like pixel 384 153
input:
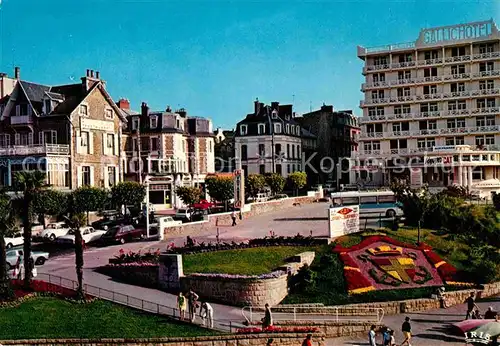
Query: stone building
pixel 168 149
pixel 72 132
pixel 224 151
pixel 336 133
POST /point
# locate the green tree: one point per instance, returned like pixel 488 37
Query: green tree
pixel 76 222
pixel 255 183
pixel 275 182
pixel 298 180
pixel 188 194
pixel 220 188
pixel 128 193
pixel 50 202
pixel 30 183
pixel 7 220
pixel 88 198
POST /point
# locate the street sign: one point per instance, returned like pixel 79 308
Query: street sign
pixel 343 220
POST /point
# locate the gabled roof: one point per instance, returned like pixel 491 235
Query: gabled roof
pixel 34 92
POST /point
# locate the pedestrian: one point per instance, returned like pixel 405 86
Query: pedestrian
pixel 476 315
pixel 490 314
pixel 267 321
pixel 471 305
pixel 308 340
pixel 182 304
pixel 193 303
pixel 371 336
pixel 207 314
pixel 392 341
pixel 386 337
pixel 20 267
pixel 406 329
pixel 31 267
pixel 233 217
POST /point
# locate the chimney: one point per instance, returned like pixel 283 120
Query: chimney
pixel 256 107
pixel 88 73
pixel 275 106
pixel 144 109
pixel 97 74
pixel 123 104
pixel 17 73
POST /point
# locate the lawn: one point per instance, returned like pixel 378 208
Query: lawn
pixel 252 261
pixel 56 318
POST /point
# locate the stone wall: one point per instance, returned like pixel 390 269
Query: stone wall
pixel 282 339
pixel 225 218
pixel 334 329
pixel 144 276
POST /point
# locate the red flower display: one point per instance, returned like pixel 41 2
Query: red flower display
pixel 42 287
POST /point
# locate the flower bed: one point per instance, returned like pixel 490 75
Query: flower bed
pixel 380 262
pixel 136 257
pixel 275 329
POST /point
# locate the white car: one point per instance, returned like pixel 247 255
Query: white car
pixel 54 230
pixel 16 240
pixel 89 235
pixel 183 214
pixel 38 257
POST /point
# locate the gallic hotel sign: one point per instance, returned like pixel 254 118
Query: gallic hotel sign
pixel 457 32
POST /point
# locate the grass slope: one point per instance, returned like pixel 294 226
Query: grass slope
pixel 42 318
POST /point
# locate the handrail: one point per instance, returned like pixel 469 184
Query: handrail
pixel 225 325
pixel 319 313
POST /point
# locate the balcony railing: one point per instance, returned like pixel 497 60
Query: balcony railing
pixel 404 64
pixel 481 56
pixel 372 135
pixel 458 58
pixel 481 74
pixel 51 149
pixel 428 62
pixel 485 92
pixel 21 120
pixel 405 133
pixel 427 132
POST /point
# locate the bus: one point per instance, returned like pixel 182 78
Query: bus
pixel 370 202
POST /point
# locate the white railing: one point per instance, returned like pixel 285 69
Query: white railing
pixel 430 62
pixel 254 314
pixel 487 110
pixel 456 76
pixel 480 56
pixel 481 74
pixel 403 64
pixel 372 135
pixel 55 149
pixel 428 132
pixel 465 130
pixel 458 58
pixel 405 133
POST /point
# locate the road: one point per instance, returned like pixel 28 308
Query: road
pixel 428 327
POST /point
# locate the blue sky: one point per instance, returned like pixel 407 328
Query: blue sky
pixel 215 57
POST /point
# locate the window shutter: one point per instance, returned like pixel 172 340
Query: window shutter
pixel 106 179
pixel 91 142
pixel 79 176
pixel 92 176
pixel 78 139
pixel 115 148
pixel 18 110
pixel 104 144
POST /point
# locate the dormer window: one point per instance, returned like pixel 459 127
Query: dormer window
pixel 274 114
pixel 298 130
pixel 84 110
pixel 153 122
pixel 109 113
pixel 48 106
pixel 135 123
pixel 261 129
pixel 277 128
pixel 243 130
pixel 287 128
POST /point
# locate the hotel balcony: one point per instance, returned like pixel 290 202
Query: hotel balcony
pixel 21 120
pixel 432 62
pixel 47 149
pixel 486 74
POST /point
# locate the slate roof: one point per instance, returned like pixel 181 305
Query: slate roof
pixel 35 92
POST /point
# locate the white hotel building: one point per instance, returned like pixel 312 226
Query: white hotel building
pixel 433 105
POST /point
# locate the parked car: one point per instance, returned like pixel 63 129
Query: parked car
pixel 16 240
pixel 39 257
pixel 89 235
pixel 261 197
pixel 36 231
pixel 122 234
pixel 54 230
pixel 203 205
pixel 183 214
pixel 108 221
pixel 198 215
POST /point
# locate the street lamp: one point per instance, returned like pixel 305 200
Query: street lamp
pixel 271 129
pixel 146 182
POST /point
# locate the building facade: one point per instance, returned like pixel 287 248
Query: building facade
pixel 337 137
pixel 224 151
pixel 71 132
pixel 167 149
pixel 269 140
pixel 433 105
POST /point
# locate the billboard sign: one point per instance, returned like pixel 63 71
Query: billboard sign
pixel 343 220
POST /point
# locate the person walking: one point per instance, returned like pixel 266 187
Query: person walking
pixel 471 305
pixel 371 336
pixel 267 321
pixel 308 340
pixel 192 302
pixel 386 337
pixel 20 267
pixel 233 216
pixel 392 341
pixel 207 314
pixel 182 304
pixel 490 314
pixel 406 329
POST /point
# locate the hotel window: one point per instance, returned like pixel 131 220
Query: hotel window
pixel 153 122
pixel 261 129
pixel 452 105
pixel 431 72
pixel 490 120
pixel 396 127
pixel 486 66
pixel 277 128
pixel 287 128
pixel 481 103
pixel 85 175
pixel 405 57
pixel 398 110
pixel 480 121
pixel 459 140
pixel 47 137
pixel 490 103
pixel 479 140
pixel 458 69
pixel 431 54
pixel 477 173
pixel 288 150
pixel 155 141
pixel 58 174
pixel 277 149
pixel 462 104
pixel 84 110
pixel 460 122
pixel 432 125
pixel 262 150
pixel 135 123
pixel 376 145
pixel 486 48
pixel 458 51
pixel 243 130
pixel 244 152
pixel 404 75
pixel 377 94
pixel 403 92
pixel 111 176
pixel 380 60
pixel 109 113
pixel 450 124
pixel 421 143
pixel 490 139
pixel 431 142
pixel 372 111
pixel 293 151
pixel 457 87
pixel 378 77
pixel 450 141
pixel 430 89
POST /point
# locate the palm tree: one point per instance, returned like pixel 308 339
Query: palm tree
pixel 30 183
pixel 77 221
pixel 7 220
